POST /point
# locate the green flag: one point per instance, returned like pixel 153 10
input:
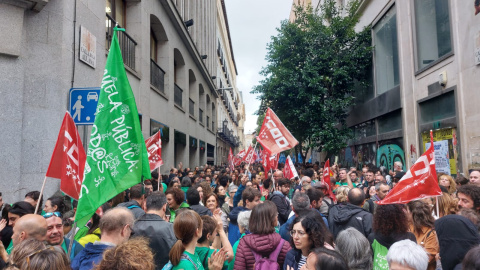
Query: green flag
pixel 117 157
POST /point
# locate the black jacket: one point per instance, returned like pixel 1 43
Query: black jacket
pixel 201 210
pixel 343 216
pixel 160 234
pixel 388 240
pixel 456 235
pixel 283 206
pixel 292 259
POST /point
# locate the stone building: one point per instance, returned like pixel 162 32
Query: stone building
pixel 425 75
pixel 171 54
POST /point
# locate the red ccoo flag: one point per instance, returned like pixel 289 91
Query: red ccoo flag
pixel 419 182
pixel 327 181
pixel 250 156
pixel 154 149
pixel 68 159
pixel 274 136
pixel 290 171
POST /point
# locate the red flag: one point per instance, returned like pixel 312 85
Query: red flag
pixel 274 136
pixel 419 182
pixel 290 171
pixel 274 161
pixel 327 181
pixel 154 149
pixel 68 159
pixel 230 160
pixel 265 161
pixel 237 160
pixel 250 155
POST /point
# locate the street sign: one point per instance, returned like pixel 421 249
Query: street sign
pixel 83 104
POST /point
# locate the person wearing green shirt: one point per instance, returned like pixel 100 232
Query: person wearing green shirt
pixel 175 201
pixel 213 237
pixel 188 229
pixel 344 179
pixel 55 236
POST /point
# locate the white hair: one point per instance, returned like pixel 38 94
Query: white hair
pixel 408 254
pixel 243 219
pixel 398 163
pixel 355 248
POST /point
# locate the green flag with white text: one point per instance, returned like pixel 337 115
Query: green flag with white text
pixel 117 157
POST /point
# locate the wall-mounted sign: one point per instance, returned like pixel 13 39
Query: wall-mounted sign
pixel 88 47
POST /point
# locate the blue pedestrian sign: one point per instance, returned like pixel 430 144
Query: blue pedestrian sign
pixel 83 104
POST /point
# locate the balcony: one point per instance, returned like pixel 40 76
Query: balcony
pixel 157 76
pixel 127 43
pixel 178 95
pixel 191 107
pixel 227 134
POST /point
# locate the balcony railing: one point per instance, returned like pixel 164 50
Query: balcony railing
pixel 200 115
pixel 157 76
pixel 178 95
pixel 191 107
pixel 127 43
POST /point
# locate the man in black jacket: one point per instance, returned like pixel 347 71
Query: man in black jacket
pixel 351 214
pixel 279 198
pixel 193 199
pixel 153 226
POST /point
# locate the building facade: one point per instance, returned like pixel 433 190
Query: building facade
pixel 425 75
pixel 170 52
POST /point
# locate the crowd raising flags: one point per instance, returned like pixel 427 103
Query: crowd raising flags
pixel 117 156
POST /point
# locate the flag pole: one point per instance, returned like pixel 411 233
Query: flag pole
pixel 159 177
pixel 438 212
pixel 72 238
pixel 41 193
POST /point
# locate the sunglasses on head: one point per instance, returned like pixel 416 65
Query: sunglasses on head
pixel 57 214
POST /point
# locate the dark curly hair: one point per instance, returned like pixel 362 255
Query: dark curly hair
pixel 471 191
pixel 390 219
pixel 317 231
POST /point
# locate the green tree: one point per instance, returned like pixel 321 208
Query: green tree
pixel 314 66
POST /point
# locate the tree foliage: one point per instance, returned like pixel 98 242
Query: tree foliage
pixel 314 66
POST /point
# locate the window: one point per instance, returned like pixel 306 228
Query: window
pixel 365 129
pixel 390 122
pixel 116 10
pixel 153 47
pixel 386 52
pixel 164 130
pixel 438 108
pixel 432 23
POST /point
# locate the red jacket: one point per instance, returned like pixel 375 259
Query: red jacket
pixel 261 244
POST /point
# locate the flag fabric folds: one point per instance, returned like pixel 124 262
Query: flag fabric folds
pixel 68 159
pixel 327 181
pixel 117 156
pixel 290 171
pixel 419 182
pixel 154 148
pixel 250 155
pixel 274 136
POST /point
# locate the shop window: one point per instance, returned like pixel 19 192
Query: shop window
pixel 438 108
pixel 390 122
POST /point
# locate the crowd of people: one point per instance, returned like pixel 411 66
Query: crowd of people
pixel 212 217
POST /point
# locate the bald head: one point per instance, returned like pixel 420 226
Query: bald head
pixel 277 175
pixel 29 226
pixel 356 196
pixel 115 219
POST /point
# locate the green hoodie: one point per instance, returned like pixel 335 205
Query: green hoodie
pixel 173 213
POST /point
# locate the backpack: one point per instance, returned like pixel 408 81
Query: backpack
pixel 379 256
pixel 371 207
pixel 269 263
pixel 184 257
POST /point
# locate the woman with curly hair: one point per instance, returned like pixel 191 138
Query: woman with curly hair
pixel 308 232
pixel 134 254
pixel 448 182
pixel 422 225
pixel 447 205
pixel 390 225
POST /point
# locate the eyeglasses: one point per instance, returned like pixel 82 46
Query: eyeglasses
pixel 57 214
pixel 299 233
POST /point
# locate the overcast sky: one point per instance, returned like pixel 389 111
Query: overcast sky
pixel 252 23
